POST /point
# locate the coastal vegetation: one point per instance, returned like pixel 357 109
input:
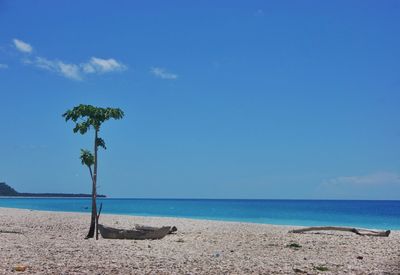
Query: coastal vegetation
pixel 88 117
pixel 8 191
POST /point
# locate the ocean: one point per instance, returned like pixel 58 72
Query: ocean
pixel 355 213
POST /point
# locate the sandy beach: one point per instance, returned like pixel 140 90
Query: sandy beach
pixel 53 243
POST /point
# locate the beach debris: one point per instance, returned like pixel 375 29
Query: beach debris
pixel 360 257
pixel 180 240
pixel 10 232
pixel 216 255
pixel 173 230
pixel 20 267
pixel 298 270
pixel 139 232
pixel 321 268
pixel 293 245
pixel 358 231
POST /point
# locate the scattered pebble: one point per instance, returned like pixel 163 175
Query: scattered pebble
pixel 20 267
pixel 221 248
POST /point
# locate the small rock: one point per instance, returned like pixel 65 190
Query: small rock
pixel 360 257
pixel 20 268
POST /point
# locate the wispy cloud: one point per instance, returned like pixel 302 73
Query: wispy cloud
pixel 22 46
pixel 380 178
pixel 379 185
pixel 163 74
pixel 259 13
pixel 77 71
pixel 99 65
pixel 3 66
pixel 72 71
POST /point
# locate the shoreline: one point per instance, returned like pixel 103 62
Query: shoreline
pixel 206 219
pixel 53 243
pixel 87 214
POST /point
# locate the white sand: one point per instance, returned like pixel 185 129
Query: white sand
pixel 53 243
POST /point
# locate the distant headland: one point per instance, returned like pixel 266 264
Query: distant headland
pixel 8 191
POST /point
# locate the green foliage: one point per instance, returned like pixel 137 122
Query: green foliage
pixel 100 143
pixel 87 158
pixel 321 268
pixel 88 116
pixel 6 190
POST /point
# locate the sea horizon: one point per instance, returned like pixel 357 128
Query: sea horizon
pixel 160 198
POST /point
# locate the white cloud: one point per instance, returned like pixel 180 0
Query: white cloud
pixel 3 66
pixel 163 74
pixel 22 46
pixel 70 71
pixel 380 178
pixel 77 71
pixel 99 65
pixel 259 13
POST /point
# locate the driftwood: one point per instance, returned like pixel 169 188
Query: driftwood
pixel 10 232
pixel 172 229
pixel 358 231
pixel 137 233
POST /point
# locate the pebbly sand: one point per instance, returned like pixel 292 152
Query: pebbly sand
pixel 53 243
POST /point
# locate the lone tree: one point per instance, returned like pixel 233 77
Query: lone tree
pixel 85 118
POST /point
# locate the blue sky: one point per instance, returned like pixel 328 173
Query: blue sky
pixel 223 99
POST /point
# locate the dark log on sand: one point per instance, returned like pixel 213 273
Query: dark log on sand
pixel 141 233
pixel 10 232
pixel 358 231
pixel 172 230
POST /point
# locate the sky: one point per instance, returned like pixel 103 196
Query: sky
pixel 222 99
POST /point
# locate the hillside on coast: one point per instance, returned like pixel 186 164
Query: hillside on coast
pixel 8 191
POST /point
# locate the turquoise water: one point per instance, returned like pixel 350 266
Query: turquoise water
pixel 368 214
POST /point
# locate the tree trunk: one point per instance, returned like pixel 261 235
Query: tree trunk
pixel 97 221
pixel 93 219
pixel 91 173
